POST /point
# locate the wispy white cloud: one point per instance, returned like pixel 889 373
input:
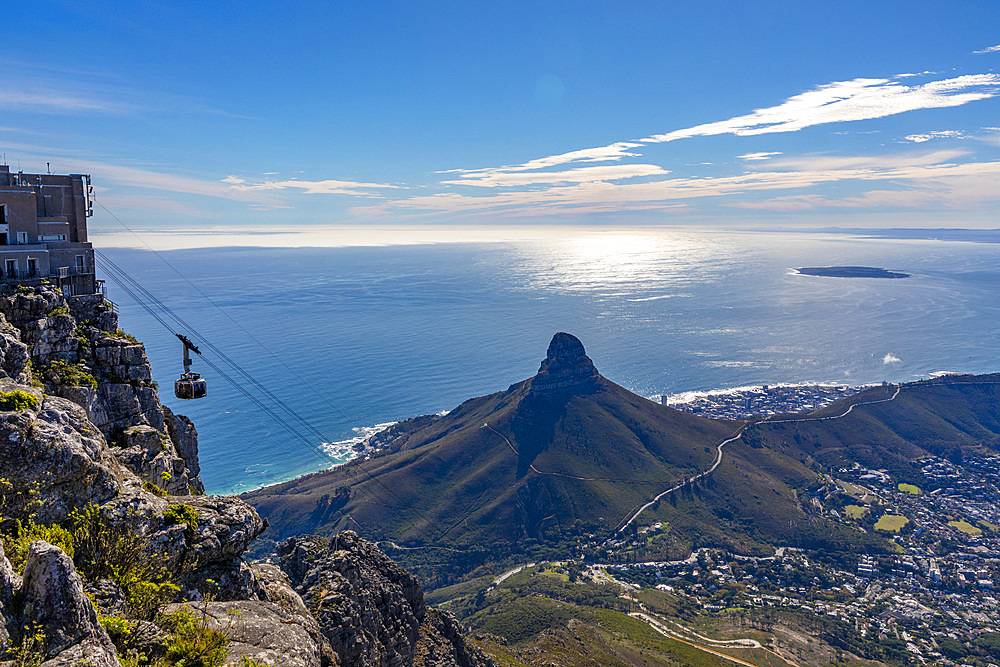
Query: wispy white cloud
pixel 610 153
pixel 29 87
pixel 934 176
pixel 54 101
pixel 579 175
pixel 324 187
pixel 837 102
pixel 844 101
pixel 940 134
pixel 890 358
pixel 989 49
pixel 814 163
pixel 758 156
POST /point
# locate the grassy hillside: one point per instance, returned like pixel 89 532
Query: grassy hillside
pixel 552 466
pixel 539 617
pixel 582 462
pixel 943 417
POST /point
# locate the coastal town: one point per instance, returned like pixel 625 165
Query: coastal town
pixel 761 400
pixel 930 600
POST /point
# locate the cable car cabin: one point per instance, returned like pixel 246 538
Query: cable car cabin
pixel 190 385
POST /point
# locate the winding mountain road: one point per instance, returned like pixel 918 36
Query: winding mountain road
pixel 739 434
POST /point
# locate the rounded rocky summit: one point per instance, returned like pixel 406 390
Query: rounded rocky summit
pixel 566 366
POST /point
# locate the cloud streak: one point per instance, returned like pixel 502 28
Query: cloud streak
pixel 52 101
pixel 845 101
pixel 610 153
pixel 940 134
pixel 758 156
pixel 836 102
pixel 498 178
pixel 936 174
pixel 324 187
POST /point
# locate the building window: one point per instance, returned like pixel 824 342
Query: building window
pixel 3 214
pixel 22 237
pixel 80 263
pixel 10 268
pixel 32 267
pixel 51 237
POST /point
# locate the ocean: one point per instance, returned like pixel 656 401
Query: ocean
pixel 352 338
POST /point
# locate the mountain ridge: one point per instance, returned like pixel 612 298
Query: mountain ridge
pixel 553 459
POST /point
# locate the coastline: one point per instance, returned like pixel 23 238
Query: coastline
pixel 353 449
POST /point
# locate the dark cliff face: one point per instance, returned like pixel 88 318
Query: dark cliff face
pixel 565 369
pixel 370 610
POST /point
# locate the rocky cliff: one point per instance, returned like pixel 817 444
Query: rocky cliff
pixel 112 555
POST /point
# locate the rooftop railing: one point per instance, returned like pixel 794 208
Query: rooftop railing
pixel 27 276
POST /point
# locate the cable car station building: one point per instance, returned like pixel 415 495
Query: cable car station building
pixel 43 230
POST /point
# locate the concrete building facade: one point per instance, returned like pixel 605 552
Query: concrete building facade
pixel 43 230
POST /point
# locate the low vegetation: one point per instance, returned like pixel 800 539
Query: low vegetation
pixel 17 542
pixel 61 309
pixel 18 400
pixel 965 527
pixel 122 335
pixel 855 511
pixel 891 523
pixel 182 514
pixel 63 373
pixel 192 643
pixel 105 551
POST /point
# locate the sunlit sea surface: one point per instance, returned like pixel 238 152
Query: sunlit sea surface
pixel 358 337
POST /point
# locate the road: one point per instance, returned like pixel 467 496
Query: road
pixel 739 434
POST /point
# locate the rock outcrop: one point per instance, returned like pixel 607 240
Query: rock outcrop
pixel 75 350
pixel 264 631
pixel 184 436
pixel 370 610
pixel 566 367
pixel 85 445
pixel 10 583
pixel 54 601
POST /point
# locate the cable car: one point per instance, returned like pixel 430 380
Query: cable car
pixel 189 385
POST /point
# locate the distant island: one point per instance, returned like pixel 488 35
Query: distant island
pixel 850 272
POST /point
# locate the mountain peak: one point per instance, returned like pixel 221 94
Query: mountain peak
pixel 566 366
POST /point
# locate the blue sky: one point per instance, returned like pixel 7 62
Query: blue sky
pixel 734 114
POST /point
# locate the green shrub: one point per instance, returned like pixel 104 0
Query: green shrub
pixel 119 629
pixel 35 382
pixel 184 514
pixel 27 532
pixel 31 651
pixel 251 662
pixel 118 553
pixel 153 488
pixel 18 400
pixel 60 372
pixel 118 333
pixel 144 598
pixel 127 644
pixel 192 643
pixel 58 310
